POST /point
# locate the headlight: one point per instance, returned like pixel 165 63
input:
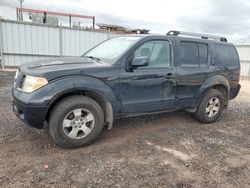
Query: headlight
pixel 32 83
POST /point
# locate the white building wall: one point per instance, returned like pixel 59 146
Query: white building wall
pixel 24 42
pixel 244 53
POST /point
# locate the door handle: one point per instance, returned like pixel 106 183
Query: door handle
pixel 169 75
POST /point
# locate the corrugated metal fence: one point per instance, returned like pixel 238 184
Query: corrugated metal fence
pixel 21 42
pixel 244 53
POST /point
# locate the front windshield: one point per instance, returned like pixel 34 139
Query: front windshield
pixel 112 49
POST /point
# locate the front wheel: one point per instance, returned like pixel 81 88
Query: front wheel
pixel 76 121
pixel 210 106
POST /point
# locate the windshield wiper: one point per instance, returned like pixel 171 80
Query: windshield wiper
pixel 94 58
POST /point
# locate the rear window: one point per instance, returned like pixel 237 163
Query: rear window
pixel 226 55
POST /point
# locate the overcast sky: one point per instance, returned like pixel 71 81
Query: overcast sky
pixel 230 18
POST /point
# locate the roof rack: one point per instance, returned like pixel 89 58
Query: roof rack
pixel 176 33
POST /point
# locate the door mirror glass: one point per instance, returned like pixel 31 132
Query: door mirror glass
pixel 140 61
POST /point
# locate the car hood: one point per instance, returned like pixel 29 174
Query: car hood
pixel 54 68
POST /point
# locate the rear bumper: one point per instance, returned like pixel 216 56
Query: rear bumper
pixel 234 91
pixel 33 116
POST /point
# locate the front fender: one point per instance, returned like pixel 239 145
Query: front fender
pixel 84 83
pixel 46 95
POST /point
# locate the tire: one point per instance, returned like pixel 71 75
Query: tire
pixel 203 113
pixel 76 121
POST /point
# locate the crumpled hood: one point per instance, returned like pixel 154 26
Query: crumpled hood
pixel 58 67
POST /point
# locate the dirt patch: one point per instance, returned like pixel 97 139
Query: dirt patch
pixel 166 150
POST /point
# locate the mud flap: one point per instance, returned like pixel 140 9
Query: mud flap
pixel 109 116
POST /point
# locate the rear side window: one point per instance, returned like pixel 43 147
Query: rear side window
pixel 226 55
pixel 189 54
pixel 193 54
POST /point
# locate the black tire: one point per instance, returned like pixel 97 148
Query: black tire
pixel 201 114
pixel 61 110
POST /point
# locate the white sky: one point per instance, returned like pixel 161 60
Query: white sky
pixel 230 18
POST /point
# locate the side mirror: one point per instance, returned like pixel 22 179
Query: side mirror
pixel 140 62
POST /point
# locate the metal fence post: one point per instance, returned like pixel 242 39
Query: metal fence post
pixel 1 44
pixel 60 40
pixel 108 33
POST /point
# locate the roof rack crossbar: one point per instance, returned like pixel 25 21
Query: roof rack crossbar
pixel 176 33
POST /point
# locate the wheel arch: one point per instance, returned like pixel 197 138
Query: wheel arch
pixel 100 99
pixel 88 86
pixel 215 82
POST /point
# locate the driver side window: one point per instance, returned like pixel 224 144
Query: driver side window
pixel 158 52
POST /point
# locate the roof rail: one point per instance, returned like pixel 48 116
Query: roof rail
pixel 176 33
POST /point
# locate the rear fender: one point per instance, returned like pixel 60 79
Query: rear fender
pixel 212 82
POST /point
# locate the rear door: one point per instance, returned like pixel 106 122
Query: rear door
pixel 193 58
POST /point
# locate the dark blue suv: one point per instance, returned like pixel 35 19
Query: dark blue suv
pixel 127 76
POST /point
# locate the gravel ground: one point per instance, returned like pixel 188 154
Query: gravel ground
pixel 166 150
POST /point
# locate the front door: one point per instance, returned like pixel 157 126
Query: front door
pixel 151 88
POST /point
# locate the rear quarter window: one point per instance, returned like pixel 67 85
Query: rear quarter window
pixel 226 55
pixel 203 54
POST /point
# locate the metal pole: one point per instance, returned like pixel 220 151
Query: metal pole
pixel 60 40
pixel 108 33
pixel 21 5
pixel 1 44
pixel 44 17
pixel 17 15
pixel 94 22
pixel 69 20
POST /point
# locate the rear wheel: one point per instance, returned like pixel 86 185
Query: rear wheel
pixel 76 121
pixel 210 106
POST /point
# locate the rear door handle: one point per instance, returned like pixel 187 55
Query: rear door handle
pixel 169 75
